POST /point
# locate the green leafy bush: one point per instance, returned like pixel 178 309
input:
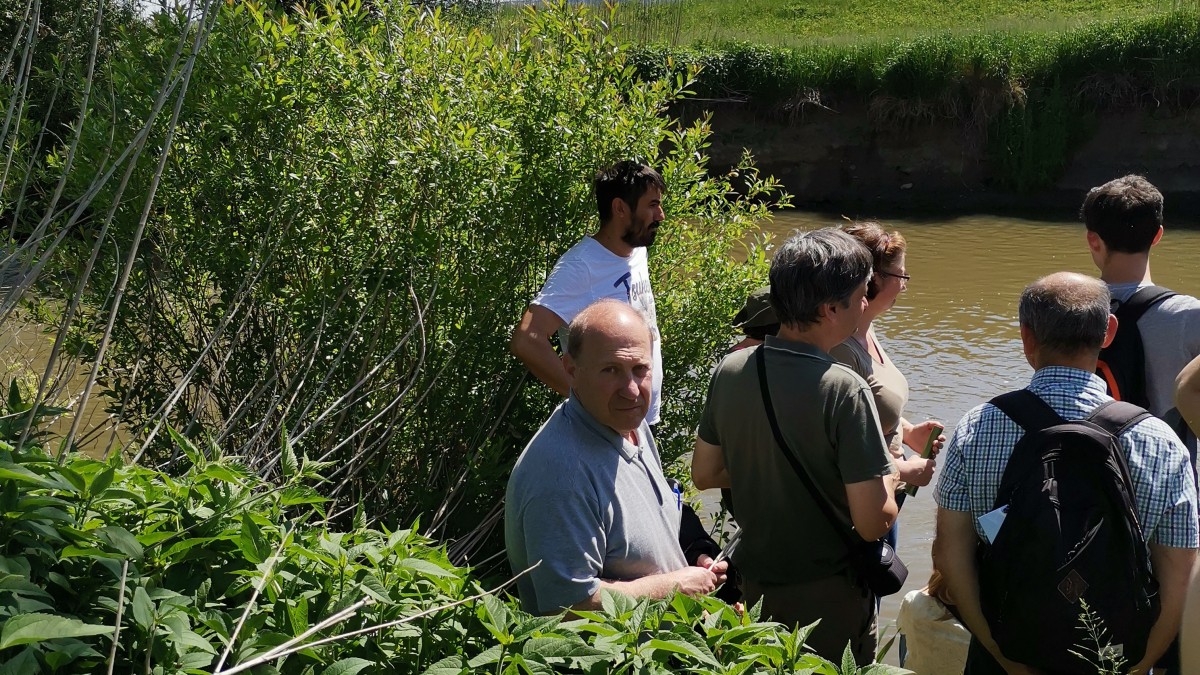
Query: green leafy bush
pixel 192 560
pixel 354 208
pixel 214 570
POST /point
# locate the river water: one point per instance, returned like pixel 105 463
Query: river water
pixel 954 332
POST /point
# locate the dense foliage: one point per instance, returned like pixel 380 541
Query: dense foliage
pixel 107 564
pixel 1026 94
pixel 353 208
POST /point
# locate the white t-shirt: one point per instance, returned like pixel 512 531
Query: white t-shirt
pixel 589 272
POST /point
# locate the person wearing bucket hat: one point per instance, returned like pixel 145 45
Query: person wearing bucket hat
pixel 756 318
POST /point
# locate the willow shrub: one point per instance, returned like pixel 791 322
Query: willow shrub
pixel 115 567
pixel 356 207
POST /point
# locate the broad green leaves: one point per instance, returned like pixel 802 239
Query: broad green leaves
pixel 29 628
pixel 191 549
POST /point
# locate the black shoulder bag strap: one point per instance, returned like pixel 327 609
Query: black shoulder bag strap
pixel 1116 417
pixel 1033 414
pixel 819 496
pixel 1142 300
pixel 1028 410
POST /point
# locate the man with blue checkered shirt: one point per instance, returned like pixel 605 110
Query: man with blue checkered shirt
pixel 1064 321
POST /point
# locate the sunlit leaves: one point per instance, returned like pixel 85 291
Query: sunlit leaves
pixel 28 628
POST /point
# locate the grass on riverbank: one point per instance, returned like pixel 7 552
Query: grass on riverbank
pixel 1153 51
pixel 824 22
pixel 1029 96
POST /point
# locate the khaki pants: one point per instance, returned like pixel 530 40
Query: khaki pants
pixel 846 612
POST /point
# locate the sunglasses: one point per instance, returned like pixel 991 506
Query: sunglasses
pixel 893 274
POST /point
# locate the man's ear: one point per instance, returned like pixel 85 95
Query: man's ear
pixel 1095 243
pixel 620 209
pixel 1158 236
pixel 569 364
pixel 1029 345
pixel 1111 331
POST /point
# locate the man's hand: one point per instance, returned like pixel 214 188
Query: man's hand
pixel 694 580
pixel 721 569
pixel 916 471
pixel 917 436
pixel 1172 569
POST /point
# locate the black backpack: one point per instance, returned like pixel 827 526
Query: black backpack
pixel 1122 364
pixel 1071 535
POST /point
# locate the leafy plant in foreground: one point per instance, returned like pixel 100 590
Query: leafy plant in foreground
pixel 213 570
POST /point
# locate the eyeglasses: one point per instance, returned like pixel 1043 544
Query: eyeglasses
pixel 893 274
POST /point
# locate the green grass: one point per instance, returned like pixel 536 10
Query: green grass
pixel 1029 95
pixel 807 22
pixel 1024 77
pixel 795 23
pixel 1148 52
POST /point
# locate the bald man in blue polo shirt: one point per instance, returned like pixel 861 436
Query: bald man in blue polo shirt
pixel 587 506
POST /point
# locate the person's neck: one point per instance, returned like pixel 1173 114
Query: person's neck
pixel 818 335
pixel 863 329
pixel 1126 268
pixel 873 311
pixel 1085 361
pixel 609 237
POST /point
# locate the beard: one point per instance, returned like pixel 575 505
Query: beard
pixel 641 233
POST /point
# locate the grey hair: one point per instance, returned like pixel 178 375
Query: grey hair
pixel 1067 313
pixel 594 317
pixel 816 268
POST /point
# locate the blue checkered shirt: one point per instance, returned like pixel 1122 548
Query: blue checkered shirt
pixel 1165 488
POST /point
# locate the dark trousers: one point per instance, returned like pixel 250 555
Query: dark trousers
pixel 980 661
pixel 846 611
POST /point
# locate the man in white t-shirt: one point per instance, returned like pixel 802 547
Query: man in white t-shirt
pixel 608 264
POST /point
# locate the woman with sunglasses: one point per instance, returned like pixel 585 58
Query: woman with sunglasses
pixel 865 355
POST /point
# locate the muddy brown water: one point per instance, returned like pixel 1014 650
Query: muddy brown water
pixel 954 332
pixel 25 348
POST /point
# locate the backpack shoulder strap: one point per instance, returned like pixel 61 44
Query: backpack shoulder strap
pixel 1116 417
pixel 1027 409
pixel 1143 299
pixel 1033 414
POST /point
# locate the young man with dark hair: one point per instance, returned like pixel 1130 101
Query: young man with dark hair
pixel 792 555
pixel 608 264
pixel 1124 219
